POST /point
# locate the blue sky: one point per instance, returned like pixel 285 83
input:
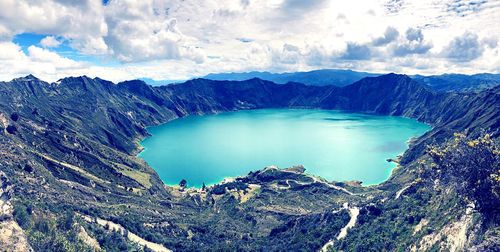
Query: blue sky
pixel 25 40
pixel 181 39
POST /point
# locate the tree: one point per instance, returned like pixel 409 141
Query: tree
pixel 14 116
pixel 183 183
pixel 11 129
pixel 203 187
pixel 28 168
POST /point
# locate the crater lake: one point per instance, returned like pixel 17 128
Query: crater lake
pixel 334 145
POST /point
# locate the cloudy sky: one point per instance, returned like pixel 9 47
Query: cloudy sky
pixel 180 39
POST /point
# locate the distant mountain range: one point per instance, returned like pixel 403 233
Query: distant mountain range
pixel 322 77
pixel 460 82
pixel 159 82
pixel 341 78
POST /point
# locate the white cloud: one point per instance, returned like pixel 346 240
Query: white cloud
pixel 50 41
pixel 412 43
pixel 491 42
pixel 356 51
pixel 40 55
pixel 140 31
pixel 80 21
pixel 464 48
pixel 10 51
pixel 47 65
pixel 390 35
pixel 177 39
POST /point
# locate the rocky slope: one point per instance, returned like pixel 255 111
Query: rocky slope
pixel 69 148
pixel 12 236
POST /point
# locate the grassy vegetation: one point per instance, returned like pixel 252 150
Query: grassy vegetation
pixel 49 232
pixel 59 231
pixel 141 177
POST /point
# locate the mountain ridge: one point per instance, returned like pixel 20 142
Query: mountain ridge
pixel 337 77
pixel 322 77
pixel 75 141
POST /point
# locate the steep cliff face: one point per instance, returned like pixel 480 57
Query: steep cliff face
pixel 399 95
pixel 72 145
pixel 387 94
pixel 250 94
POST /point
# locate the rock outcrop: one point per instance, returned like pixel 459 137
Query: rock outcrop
pixel 12 237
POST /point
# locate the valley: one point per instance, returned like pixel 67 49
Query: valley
pixel 69 149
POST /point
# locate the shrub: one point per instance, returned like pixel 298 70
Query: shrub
pixel 472 166
pixel 114 242
pixel 14 116
pixel 66 221
pixel 28 168
pixel 21 216
pixel 45 225
pixel 11 129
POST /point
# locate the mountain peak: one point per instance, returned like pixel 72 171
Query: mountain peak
pixel 133 84
pixel 82 79
pixel 386 83
pixel 29 77
pixel 395 75
pixel 386 78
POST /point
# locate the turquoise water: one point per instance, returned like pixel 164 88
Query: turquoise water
pixel 331 144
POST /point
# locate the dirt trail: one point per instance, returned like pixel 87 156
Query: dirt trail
pixel 131 236
pixel 398 194
pixel 316 180
pixel 354 213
